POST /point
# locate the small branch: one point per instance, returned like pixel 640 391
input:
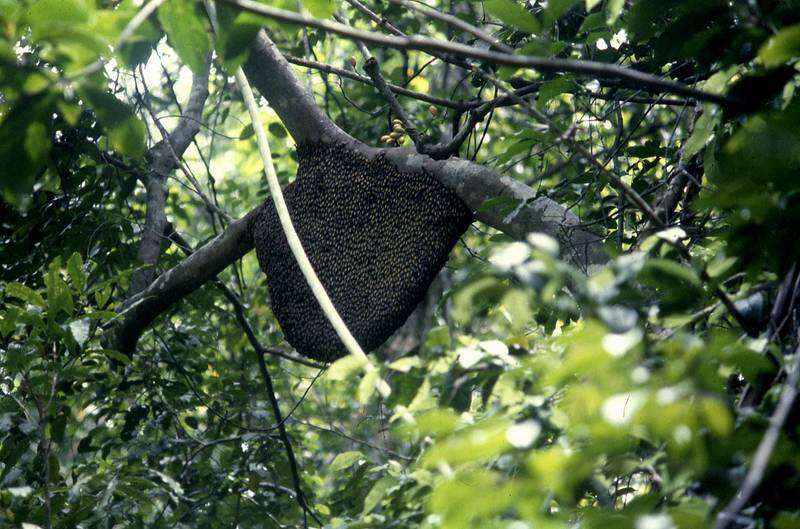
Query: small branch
pixel 456 23
pixel 373 69
pixel 341 72
pixel 382 22
pixel 643 80
pixel 276 412
pixel 475 116
pixel 765 448
pixel 336 431
pixel 164 157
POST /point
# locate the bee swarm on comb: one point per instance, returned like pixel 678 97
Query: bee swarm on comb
pixel 375 235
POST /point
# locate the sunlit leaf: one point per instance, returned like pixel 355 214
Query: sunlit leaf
pixel 345 460
pixel 320 8
pixel 125 131
pixel 513 14
pixel 781 47
pixel 186 32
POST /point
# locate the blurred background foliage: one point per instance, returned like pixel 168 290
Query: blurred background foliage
pixel 524 393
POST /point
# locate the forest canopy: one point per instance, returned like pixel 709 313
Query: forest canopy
pixel 612 342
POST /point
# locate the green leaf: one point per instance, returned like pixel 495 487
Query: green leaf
pixel 590 4
pixel 9 10
pixel 404 365
pixel 186 32
pixel 718 417
pixel 556 8
pixel 345 460
pixel 247 132
pixel 115 355
pixel 20 291
pixel 125 131
pixel 781 48
pixel 614 10
pixel 703 131
pixel 367 386
pixel 76 273
pixel 59 296
pixel 237 30
pixel 24 145
pixel 593 22
pixel 513 14
pixel 551 89
pixel 677 271
pixel 8 319
pixel 719 267
pixel 342 368
pixel 277 129
pixel 320 8
pixel 377 493
pixel 476 443
pixel 46 15
pixel 543 47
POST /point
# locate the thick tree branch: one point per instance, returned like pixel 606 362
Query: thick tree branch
pixel 180 281
pixel 475 184
pixel 268 70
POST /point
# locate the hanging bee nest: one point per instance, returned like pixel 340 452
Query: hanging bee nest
pixel 376 236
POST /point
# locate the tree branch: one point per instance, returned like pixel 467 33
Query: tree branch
pixel 475 184
pixel 164 157
pixel 765 448
pixel 642 80
pixel 180 281
pixel 268 70
pixel 457 23
pixel 327 68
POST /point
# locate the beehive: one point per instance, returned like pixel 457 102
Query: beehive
pixel 375 235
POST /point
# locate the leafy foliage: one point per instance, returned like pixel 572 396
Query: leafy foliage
pixel 524 393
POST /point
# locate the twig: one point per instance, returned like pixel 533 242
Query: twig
pixel 356 440
pixel 427 44
pixel 763 453
pixel 341 72
pixel 457 23
pixel 630 194
pixel 276 411
pixel 373 69
pixel 379 20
